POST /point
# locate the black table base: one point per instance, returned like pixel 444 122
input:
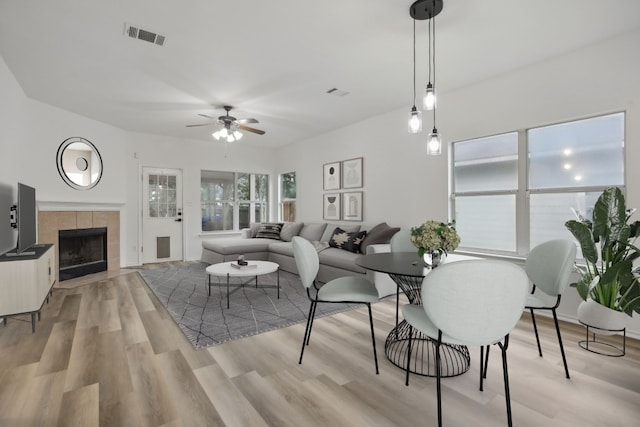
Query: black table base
pixel 455 358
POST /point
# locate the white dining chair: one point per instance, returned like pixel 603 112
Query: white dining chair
pixel 470 303
pixel 401 242
pixel 549 266
pixel 348 289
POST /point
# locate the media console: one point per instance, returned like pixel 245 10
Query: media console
pixel 26 282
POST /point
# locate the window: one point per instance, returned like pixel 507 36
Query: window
pixel 162 196
pixel 288 196
pixel 514 191
pixel 231 200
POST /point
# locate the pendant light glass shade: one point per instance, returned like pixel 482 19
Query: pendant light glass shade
pixel 415 120
pixel 434 143
pixel 429 98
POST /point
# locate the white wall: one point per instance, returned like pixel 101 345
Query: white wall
pixel 404 186
pixel 11 125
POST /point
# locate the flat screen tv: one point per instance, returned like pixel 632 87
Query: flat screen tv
pixel 26 220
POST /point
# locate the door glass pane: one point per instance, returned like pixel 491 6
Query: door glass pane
pixel 486 164
pixel 487 222
pixel 583 153
pixel 162 200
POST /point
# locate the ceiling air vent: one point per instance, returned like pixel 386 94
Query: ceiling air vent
pixel 140 34
pixel 337 92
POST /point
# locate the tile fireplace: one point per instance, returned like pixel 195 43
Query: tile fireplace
pixel 52 222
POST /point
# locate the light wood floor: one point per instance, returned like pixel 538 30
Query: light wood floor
pixel 107 354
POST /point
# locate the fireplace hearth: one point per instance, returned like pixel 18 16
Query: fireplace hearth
pixel 81 252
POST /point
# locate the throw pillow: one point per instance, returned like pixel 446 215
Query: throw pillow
pixel 313 231
pixel 269 230
pixel 289 230
pixel 347 241
pixel 254 227
pixel 381 233
pixel 328 232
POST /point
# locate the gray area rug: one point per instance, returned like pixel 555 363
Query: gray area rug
pixel 206 321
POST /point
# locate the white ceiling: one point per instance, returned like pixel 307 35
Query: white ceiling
pixel 274 60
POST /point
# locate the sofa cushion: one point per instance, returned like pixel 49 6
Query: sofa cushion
pixel 347 241
pixel 338 258
pixel 269 230
pixel 381 233
pixel 313 231
pixel 233 245
pixel 328 232
pixel 290 230
pixel 282 248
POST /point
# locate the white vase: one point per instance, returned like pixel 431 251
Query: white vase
pixel 607 321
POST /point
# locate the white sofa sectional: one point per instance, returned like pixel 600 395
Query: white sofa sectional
pixel 334 262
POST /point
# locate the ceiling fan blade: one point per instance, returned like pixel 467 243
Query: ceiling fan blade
pixel 208 117
pixel 203 124
pixel 244 121
pixel 248 129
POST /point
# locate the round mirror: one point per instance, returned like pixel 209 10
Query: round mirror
pixel 79 163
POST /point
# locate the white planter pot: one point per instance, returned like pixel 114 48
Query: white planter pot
pixel 607 321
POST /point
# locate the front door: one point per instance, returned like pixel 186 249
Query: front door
pixel 161 215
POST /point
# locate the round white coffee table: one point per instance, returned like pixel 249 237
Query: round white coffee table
pixel 254 269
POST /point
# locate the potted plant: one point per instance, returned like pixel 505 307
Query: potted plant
pixel 608 283
pixel 434 239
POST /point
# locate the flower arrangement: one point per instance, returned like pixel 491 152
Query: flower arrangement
pixel 435 236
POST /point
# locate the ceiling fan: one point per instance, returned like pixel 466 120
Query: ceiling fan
pixel 227 126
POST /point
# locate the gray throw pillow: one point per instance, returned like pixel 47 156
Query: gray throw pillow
pixel 254 227
pixel 312 231
pixel 269 230
pixel 381 233
pixel 290 230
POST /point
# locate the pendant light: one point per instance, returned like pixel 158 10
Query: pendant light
pixel 434 142
pixel 427 10
pixel 415 116
pixel 429 96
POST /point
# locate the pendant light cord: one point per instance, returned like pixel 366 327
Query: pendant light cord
pixel 434 59
pixel 430 50
pixel 414 62
pixel 434 50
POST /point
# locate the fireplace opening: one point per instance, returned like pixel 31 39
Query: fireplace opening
pixel 81 252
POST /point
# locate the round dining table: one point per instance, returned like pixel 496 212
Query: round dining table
pixel 408 270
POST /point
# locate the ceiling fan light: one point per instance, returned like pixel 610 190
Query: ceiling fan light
pixel 434 143
pixel 429 98
pixel 237 135
pixel 216 134
pixel 415 120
